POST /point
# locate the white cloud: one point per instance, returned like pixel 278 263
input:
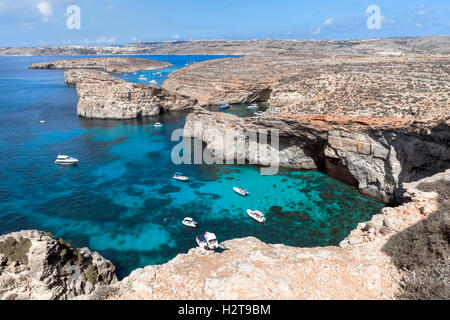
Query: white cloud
pixel 419 25
pixel 422 10
pixel 386 20
pixel 318 30
pixel 177 36
pixel 46 10
pixel 328 22
pixel 106 40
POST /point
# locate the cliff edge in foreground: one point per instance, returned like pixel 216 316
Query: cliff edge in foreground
pixel 251 269
pixel 33 265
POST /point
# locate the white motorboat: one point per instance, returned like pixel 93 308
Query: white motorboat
pixel 158 124
pixel 189 222
pixel 142 78
pixel 258 114
pixel 43 121
pixel 257 215
pixel 153 82
pixel 66 160
pixel 180 176
pixel 253 106
pixel 241 191
pixel 207 241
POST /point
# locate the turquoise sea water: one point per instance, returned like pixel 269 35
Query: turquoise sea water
pixel 121 200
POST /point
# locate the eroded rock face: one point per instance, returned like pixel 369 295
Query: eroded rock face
pixel 108 64
pixel 381 154
pixel 33 265
pixel 250 269
pixel 106 97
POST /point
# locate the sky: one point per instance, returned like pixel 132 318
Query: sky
pixel 111 22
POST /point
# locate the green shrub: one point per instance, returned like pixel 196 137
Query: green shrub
pixel 423 251
pixel 15 251
pixel 92 274
pixel 50 235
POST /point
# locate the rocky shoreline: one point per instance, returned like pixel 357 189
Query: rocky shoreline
pixel 103 96
pixel 113 65
pixel 376 154
pixel 247 269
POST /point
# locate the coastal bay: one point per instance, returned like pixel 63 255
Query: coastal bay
pixel 119 200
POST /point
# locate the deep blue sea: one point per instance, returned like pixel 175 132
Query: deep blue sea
pixel 121 200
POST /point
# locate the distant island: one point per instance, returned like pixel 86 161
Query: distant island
pixel 389 46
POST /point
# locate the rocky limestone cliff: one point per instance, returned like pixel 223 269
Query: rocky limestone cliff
pixel 250 269
pixel 108 64
pixel 106 97
pixel 34 265
pixel 381 154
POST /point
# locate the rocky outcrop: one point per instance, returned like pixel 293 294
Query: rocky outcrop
pixel 106 97
pixel 376 152
pixel 231 80
pixel 108 64
pixel 34 265
pixel 250 269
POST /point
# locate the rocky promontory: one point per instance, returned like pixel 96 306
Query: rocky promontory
pixel 107 97
pixel 104 96
pixel 114 65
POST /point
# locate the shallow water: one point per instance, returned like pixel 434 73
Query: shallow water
pixel 121 200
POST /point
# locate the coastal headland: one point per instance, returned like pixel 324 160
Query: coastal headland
pixel 359 109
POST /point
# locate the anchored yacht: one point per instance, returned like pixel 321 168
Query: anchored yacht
pixel 207 241
pixel 257 215
pixel 66 160
pixel 180 176
pixel 189 222
pixel 241 191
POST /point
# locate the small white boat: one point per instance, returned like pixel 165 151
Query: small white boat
pixel 158 124
pixel 180 176
pixel 257 215
pixel 241 191
pixel 189 222
pixel 207 241
pixel 258 114
pixel 253 106
pixel 153 82
pixel 43 121
pixel 142 78
pixel 66 160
